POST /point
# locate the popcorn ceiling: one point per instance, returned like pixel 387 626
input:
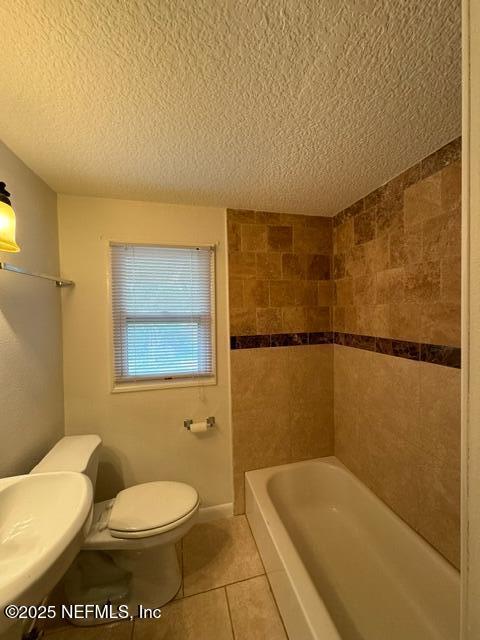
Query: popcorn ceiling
pixel 280 105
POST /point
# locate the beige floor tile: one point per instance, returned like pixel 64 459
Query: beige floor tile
pixel 254 612
pixel 117 631
pixel 201 617
pixel 219 553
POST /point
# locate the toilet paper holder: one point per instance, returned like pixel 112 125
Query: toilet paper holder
pixel 210 422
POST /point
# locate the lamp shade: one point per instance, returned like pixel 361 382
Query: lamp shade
pixel 7 222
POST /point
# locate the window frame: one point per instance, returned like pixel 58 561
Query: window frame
pixel 149 384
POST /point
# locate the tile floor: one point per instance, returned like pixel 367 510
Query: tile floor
pixel 225 594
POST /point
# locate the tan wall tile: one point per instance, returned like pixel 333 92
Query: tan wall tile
pixel 441 237
pixel 405 321
pixel 269 217
pixel 377 256
pixel 293 266
pixel 317 318
pixel 440 412
pixel 280 238
pixel 344 292
pixel 339 266
pixel 356 264
pixel 282 293
pixel 350 319
pixel 266 271
pixel 364 289
pixel 381 321
pixel 451 279
pixel 384 431
pixel 234 236
pixel 294 320
pixel 343 237
pixel 372 320
pixel 311 240
pixel 364 226
pixel 339 319
pixel 387 220
pixel 325 292
pixel 254 237
pixel 235 293
pixel 256 293
pixel 441 323
pixel 243 216
pixel 268 418
pixel 422 282
pixel 243 322
pixel 413 245
pixel 318 267
pixel 269 265
pixel 451 181
pixel 269 321
pixel 242 265
pixel 250 369
pixel 306 293
pixel 390 286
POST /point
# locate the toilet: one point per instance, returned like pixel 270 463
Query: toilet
pixel 129 553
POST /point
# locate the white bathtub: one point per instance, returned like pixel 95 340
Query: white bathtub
pixel 341 564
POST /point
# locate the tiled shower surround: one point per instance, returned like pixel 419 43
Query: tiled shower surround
pixel 358 355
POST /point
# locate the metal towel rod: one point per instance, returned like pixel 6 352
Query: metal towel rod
pixel 59 282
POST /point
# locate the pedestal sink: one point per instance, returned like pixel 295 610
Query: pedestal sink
pixel 43 521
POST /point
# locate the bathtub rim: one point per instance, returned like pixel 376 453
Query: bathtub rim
pixel 307 597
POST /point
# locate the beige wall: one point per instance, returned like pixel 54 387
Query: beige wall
pixel 397 427
pixel 143 434
pixel 31 387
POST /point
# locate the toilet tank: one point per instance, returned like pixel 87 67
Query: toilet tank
pixel 73 453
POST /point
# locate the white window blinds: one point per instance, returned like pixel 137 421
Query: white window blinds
pixel 163 302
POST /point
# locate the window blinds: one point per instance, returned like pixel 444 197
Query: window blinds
pixel 163 312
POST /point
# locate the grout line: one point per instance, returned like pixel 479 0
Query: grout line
pixel 229 612
pixel 223 586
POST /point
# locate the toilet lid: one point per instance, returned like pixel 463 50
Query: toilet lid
pixel 151 505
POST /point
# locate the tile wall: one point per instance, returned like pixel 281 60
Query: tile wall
pixel 280 296
pixel 362 357
pixel 396 358
pixel 279 269
pixel 396 256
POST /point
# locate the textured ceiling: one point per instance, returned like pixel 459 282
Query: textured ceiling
pixel 282 105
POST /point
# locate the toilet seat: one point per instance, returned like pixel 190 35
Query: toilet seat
pixel 151 508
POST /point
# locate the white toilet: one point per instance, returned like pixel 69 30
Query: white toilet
pixel 138 529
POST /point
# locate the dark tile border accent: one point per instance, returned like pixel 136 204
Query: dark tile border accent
pixel 438 354
pixel 446 356
pixel 434 353
pixel 281 340
pixel 399 348
pixel 288 339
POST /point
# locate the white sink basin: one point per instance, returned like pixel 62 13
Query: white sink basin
pixel 43 521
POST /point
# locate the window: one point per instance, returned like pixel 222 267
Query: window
pixel 163 304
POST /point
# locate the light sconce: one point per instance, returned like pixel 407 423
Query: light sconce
pixel 7 241
pixel 7 222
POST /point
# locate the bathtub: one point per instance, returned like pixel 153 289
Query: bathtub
pixel 341 564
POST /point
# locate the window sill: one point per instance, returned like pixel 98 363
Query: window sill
pixel 128 387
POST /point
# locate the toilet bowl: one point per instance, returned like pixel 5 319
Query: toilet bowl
pixel 138 530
